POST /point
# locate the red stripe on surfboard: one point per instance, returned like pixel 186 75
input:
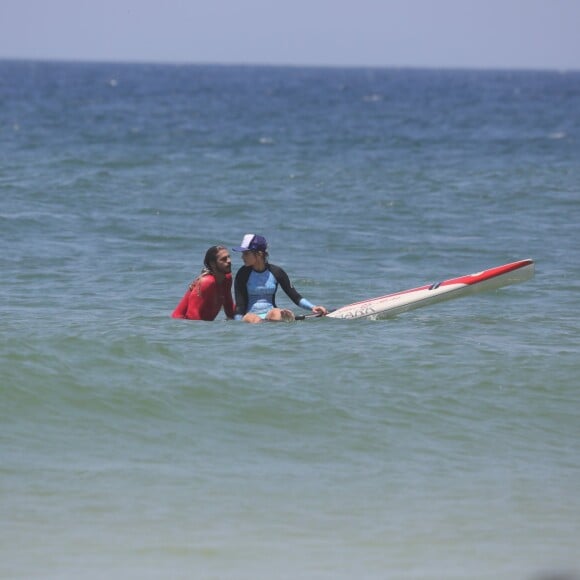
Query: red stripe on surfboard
pixel 471 279
pixel 467 280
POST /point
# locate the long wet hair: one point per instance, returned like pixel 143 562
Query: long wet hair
pixel 208 262
pixel 211 258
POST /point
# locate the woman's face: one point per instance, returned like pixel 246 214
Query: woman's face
pixel 250 258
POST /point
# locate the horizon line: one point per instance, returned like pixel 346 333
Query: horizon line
pixel 261 64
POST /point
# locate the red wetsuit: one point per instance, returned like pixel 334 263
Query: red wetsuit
pixel 205 298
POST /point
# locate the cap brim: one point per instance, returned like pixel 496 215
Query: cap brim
pixel 240 249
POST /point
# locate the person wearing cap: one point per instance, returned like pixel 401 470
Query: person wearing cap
pixel 256 284
pixel 211 290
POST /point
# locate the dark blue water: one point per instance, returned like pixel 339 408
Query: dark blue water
pixel 441 444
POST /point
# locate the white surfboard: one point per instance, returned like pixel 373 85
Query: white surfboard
pixel 391 305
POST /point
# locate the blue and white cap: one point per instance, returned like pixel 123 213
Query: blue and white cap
pixel 252 242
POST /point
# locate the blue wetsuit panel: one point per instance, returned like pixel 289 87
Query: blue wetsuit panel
pixel 262 287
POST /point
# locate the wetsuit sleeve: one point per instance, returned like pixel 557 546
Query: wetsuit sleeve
pixel 241 292
pixel 288 288
pixel 229 306
pixel 306 304
pixel 181 309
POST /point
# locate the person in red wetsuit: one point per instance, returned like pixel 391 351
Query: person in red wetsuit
pixel 211 290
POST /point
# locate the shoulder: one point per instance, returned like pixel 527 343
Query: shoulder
pixel 278 272
pixel 206 281
pixel 243 272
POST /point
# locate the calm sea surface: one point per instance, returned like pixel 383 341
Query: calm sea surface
pixel 440 445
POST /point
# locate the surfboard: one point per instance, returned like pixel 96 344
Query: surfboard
pixel 391 305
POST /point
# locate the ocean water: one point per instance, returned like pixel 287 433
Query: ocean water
pixel 442 444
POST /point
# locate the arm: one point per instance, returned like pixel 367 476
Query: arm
pixel 286 285
pixel 229 306
pixel 181 309
pixel 292 293
pixel 241 292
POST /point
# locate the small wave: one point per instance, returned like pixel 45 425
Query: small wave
pixel 374 98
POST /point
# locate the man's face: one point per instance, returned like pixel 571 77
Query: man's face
pixel 223 262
